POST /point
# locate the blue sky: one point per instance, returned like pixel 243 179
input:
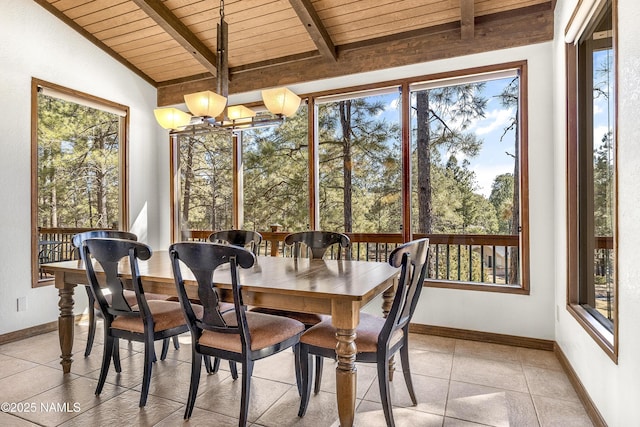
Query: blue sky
pixel 492 159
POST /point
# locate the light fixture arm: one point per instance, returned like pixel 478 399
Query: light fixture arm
pixel 222 63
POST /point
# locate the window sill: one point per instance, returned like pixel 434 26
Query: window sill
pixel 596 330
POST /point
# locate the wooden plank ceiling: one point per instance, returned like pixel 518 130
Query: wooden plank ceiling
pixel 172 43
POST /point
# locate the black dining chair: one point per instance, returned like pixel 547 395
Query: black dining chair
pixel 314 245
pixel 377 338
pixel 240 238
pixel 237 335
pixel 147 321
pixel 93 309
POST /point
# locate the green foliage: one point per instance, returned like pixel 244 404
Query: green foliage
pixel 502 200
pixel 78 165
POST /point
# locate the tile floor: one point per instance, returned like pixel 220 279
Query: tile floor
pixel 458 383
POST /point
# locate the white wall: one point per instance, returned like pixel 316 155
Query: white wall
pixel 615 389
pixel 36 44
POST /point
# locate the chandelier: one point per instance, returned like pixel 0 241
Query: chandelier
pixel 209 109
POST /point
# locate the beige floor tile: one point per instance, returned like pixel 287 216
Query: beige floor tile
pixel 21 386
pixel 66 401
pixel 279 367
pixel 173 382
pixel 14 420
pixel 492 373
pixel 561 413
pixel 366 375
pixel 454 422
pixel 200 417
pixel 123 410
pixel 431 343
pixel 321 411
pixel 431 363
pixel 539 358
pixel 486 384
pixel 490 406
pixel 431 393
pixel 370 415
pixel 482 350
pixel 549 383
pixel 224 397
pixel 11 365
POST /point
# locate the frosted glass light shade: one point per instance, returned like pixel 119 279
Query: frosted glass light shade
pixel 171 118
pixel 205 104
pixel 236 112
pixel 281 101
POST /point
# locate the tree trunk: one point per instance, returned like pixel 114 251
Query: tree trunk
pixel 188 179
pixel 424 162
pixel 345 122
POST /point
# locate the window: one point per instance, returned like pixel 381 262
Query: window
pixel 78 169
pixel 342 163
pixel 591 191
pixel 469 187
pixel 360 162
pixel 276 175
pixel 205 183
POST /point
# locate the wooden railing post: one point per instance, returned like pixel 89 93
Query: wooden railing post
pixel 275 247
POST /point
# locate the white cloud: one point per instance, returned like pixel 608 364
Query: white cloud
pixel 496 119
pixel 486 174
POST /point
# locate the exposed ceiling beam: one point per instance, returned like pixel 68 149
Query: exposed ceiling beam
pixel 315 28
pixel 492 32
pixel 176 29
pixel 467 15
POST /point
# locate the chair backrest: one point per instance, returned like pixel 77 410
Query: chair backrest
pixel 202 259
pixel 108 253
pixel 411 257
pixel 93 234
pixel 317 242
pixel 241 238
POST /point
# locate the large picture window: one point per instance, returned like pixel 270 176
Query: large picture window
pixel 467 177
pixel 78 170
pixel 591 152
pixel 441 156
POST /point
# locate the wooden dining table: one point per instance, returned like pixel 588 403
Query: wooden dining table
pixel 339 288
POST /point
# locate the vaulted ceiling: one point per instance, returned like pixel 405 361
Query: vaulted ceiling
pixel 172 43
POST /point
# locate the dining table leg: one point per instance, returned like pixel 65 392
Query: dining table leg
pixel 65 321
pixel 345 317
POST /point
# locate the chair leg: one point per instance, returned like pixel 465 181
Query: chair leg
pixel 406 370
pixel 116 355
pixel 298 368
pixel 148 366
pixel 383 384
pixel 196 361
pixel 234 370
pixel 176 343
pixel 165 348
pixel 106 361
pixel 211 368
pixel 247 371
pixel 318 380
pixel 92 322
pixel 305 358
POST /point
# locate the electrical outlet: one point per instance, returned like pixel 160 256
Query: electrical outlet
pixel 22 304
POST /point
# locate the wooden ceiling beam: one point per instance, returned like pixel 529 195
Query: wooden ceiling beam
pixel 316 29
pixel 492 32
pixel 467 15
pixel 176 29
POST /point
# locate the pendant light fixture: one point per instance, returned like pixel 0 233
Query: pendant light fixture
pixel 209 109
